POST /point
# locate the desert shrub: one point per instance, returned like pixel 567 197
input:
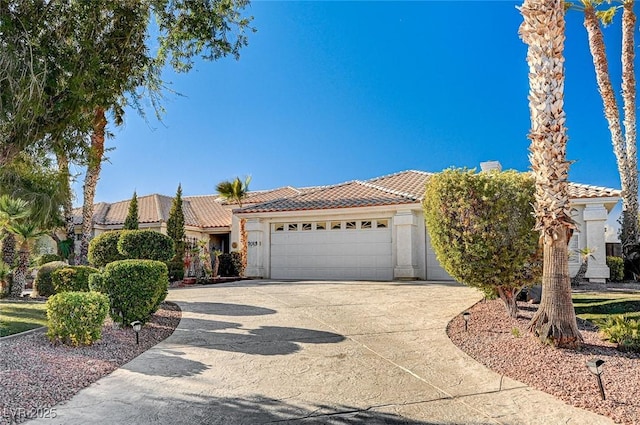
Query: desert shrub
pixel 103 249
pixel 47 258
pixel 146 245
pixel 43 284
pixel 231 264
pixel 616 267
pixel 481 228
pixel 76 318
pixel 135 288
pixel 72 278
pixel 623 331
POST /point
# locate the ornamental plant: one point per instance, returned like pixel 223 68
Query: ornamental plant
pixel 76 318
pixel 43 284
pixel 146 245
pixel 72 278
pixel 135 288
pixel 103 249
pixel 481 229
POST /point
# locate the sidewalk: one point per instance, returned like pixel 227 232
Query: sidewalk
pixel 264 352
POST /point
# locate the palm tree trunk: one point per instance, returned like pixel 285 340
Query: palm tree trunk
pixel 612 115
pixel 630 218
pixel 543 29
pixel 582 271
pixel 20 274
pixel 67 207
pixel 91 180
pixel 8 248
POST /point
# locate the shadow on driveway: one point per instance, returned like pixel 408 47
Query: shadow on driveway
pixel 224 309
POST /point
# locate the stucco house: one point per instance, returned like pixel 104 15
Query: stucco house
pixel 361 230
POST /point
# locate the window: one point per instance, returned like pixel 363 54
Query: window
pixel 350 225
pixel 321 226
pixel 278 227
pixel 336 225
pixel 292 227
pixel 306 226
pixel 365 225
pixel 382 224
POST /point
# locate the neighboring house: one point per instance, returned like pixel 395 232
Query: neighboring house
pixel 361 230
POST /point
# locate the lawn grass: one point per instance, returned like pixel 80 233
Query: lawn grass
pixel 20 316
pixel 597 306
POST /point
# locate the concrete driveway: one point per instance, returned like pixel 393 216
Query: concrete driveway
pixel 267 352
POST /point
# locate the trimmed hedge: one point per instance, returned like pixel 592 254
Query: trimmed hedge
pixel 43 284
pixel 76 318
pixel 176 269
pixel 103 249
pixel 47 258
pixel 135 288
pixel 72 278
pixel 146 245
pixel 616 268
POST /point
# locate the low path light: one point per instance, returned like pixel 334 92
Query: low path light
pixel 596 366
pixel 137 325
pixel 466 316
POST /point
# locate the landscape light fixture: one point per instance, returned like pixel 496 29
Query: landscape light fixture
pixel 595 367
pixel 137 325
pixel 466 316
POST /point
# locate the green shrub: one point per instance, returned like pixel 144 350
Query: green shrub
pixel 616 267
pixel 47 258
pixel 43 284
pixel 135 288
pixel 176 269
pixel 76 318
pixel 481 229
pixel 103 249
pixel 146 245
pixel 96 283
pixel 231 264
pixel 72 278
pixel 622 331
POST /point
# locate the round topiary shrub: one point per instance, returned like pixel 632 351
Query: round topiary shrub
pixel 72 278
pixel 103 249
pixel 231 264
pixel 43 285
pixel 76 318
pixel 616 268
pixel 47 258
pixel 176 269
pixel 146 245
pixel 135 288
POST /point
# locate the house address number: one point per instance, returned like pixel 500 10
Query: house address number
pixel 254 243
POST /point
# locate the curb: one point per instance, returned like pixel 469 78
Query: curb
pixel 30 331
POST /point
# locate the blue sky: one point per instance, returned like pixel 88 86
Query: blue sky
pixel 328 92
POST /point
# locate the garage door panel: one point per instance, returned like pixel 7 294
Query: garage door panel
pixel 358 254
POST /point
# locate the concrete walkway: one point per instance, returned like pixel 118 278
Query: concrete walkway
pixel 266 352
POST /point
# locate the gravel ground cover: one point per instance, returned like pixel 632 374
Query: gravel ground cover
pixel 36 374
pixel 504 345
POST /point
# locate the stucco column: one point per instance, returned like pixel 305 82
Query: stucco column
pixel 595 217
pixel 255 267
pixel 405 227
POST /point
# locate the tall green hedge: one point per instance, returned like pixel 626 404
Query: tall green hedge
pixel 103 249
pixel 135 288
pixel 146 245
pixel 72 278
pixel 481 229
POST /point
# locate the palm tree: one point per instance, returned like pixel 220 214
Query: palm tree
pixel 584 254
pixel 11 209
pixel 234 191
pixel 624 145
pixel 543 30
pixel 27 232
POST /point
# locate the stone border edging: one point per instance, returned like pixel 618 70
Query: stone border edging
pixel 30 331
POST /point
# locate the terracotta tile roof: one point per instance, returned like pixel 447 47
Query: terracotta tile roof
pixel 211 211
pixel 208 211
pixel 345 195
pixel 580 191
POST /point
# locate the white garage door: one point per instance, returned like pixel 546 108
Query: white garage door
pixel 351 249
